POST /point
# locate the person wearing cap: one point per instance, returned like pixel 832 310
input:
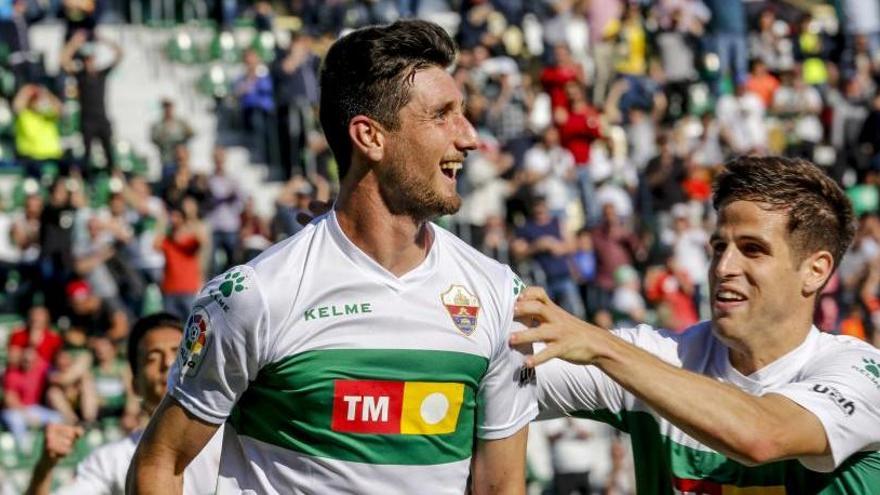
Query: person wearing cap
pixel 92 316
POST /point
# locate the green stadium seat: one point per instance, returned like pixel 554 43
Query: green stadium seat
pixel 264 45
pixel 215 82
pixel 224 48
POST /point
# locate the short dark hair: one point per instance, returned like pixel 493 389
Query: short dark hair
pixel 820 216
pixel 369 72
pixel 144 326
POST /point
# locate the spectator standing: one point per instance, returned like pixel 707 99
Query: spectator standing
pixel 579 126
pixel 543 239
pixel 37 138
pixel 182 246
pixel 92 90
pixel 549 170
pixel 169 132
pixel 257 104
pixel 726 38
pixel 616 245
pixel 295 81
pixel 581 454
pixel 56 243
pixel 224 214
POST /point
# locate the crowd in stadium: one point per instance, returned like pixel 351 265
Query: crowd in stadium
pixel 601 125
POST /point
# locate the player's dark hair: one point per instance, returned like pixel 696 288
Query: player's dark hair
pixel 144 326
pixel 370 72
pixel 820 216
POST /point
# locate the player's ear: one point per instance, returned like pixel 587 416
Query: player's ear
pixel 367 137
pixel 817 269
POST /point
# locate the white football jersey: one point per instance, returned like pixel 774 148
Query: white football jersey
pixel 334 375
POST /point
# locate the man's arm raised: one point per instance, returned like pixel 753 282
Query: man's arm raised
pixel 747 428
pixel 172 439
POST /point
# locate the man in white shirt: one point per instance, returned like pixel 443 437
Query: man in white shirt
pixel 152 349
pixel 367 353
pixel 756 400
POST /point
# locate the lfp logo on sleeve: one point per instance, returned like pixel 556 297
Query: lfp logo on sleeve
pixel 195 339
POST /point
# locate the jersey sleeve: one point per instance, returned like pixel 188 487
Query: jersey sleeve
pixel 566 389
pixel 506 397
pixel 224 345
pixel 844 394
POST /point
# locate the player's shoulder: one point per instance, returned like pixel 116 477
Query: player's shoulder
pixel 279 258
pixel 844 352
pixel 265 281
pixel 685 348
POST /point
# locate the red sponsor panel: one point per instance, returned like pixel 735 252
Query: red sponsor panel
pixel 367 406
pixel 703 487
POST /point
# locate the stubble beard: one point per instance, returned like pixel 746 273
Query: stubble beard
pixel 412 195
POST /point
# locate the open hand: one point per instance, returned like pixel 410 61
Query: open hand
pixel 564 335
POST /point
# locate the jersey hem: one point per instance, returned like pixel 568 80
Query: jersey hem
pixel 195 408
pixel 498 433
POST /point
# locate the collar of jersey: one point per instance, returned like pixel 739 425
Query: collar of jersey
pixel 775 374
pixel 371 268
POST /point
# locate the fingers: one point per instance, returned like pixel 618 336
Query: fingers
pixel 535 293
pixel 525 311
pixel 547 353
pixel 529 336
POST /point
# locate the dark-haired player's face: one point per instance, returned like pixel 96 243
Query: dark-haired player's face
pixel 426 153
pixel 156 353
pixel 755 279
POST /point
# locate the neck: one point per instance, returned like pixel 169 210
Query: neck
pixel 398 243
pixel 749 355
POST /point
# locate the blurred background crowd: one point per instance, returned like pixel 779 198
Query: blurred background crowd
pixel 147 146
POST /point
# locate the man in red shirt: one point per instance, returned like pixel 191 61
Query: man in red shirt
pixel 23 387
pixel 38 334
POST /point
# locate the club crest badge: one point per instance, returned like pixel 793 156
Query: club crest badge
pixel 463 307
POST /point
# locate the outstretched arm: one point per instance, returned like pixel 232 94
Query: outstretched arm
pixel 747 428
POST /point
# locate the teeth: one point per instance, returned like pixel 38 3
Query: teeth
pixel 730 295
pixel 450 165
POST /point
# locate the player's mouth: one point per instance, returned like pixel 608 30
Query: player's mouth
pixel 725 299
pixel 450 168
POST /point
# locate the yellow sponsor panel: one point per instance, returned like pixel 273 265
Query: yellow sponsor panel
pixel 752 490
pixel 430 408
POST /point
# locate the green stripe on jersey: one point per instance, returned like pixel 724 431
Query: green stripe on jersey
pixel 658 458
pixel 290 404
